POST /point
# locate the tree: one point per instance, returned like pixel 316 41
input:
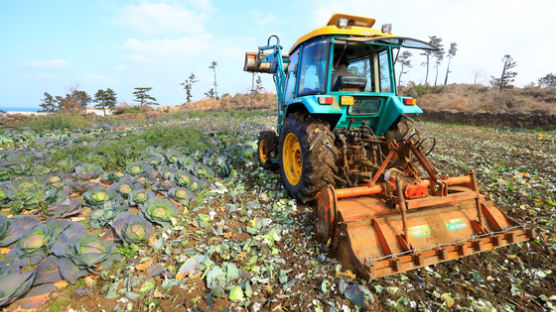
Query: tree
pixel 143 98
pixel 439 56
pixel 188 86
pixel 451 54
pixel 507 76
pixel 82 98
pixel 105 99
pixel 434 40
pixel 210 93
pixel 405 61
pixel 259 85
pixel 76 100
pixel 548 81
pixel 48 103
pixel 213 67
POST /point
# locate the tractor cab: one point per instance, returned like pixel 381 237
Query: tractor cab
pixel 342 72
pixel 345 73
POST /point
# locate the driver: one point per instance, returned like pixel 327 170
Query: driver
pixel 340 69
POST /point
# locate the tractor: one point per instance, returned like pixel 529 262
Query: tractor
pixel 345 144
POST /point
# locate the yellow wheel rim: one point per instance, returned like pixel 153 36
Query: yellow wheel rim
pixel 262 155
pixel 292 159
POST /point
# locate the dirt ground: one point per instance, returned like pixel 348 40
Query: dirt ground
pixel 255 225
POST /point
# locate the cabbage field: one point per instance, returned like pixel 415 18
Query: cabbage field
pixel 174 214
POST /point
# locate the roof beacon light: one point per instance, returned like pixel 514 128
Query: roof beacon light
pixel 342 22
pixel 386 28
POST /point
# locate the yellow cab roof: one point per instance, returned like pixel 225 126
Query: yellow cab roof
pixel 358 26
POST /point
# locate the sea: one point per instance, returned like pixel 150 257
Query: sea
pixel 19 109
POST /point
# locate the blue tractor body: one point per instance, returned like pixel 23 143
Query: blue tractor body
pixel 304 81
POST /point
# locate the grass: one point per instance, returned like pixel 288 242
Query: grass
pixel 120 152
pixel 59 121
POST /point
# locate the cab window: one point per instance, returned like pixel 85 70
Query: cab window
pixel 292 77
pixel 366 61
pixel 314 67
pixel 384 65
pixel 362 67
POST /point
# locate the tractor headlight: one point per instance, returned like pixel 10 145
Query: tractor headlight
pixel 343 22
pixel 386 28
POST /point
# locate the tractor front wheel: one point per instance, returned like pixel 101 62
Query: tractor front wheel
pixel 307 156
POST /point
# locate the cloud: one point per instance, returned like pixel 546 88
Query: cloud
pixel 162 50
pixel 162 18
pixel 94 78
pixel 265 19
pixel 37 75
pixel 204 5
pixel 120 67
pixel 47 63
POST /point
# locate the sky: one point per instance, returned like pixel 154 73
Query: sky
pixel 54 46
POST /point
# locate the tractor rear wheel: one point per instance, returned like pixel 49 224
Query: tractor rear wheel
pixel 267 149
pixel 307 156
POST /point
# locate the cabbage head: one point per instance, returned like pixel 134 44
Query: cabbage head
pixel 137 168
pixel 125 187
pixel 131 228
pixel 23 193
pixel 203 171
pixel 139 197
pixel 111 177
pixel 98 197
pixel 167 173
pixel 172 156
pixel 102 216
pixel 83 254
pixel 163 186
pixel 159 210
pixel 180 194
pixel 144 180
pixel 181 178
pixel 12 229
pixel 88 171
pixel 35 244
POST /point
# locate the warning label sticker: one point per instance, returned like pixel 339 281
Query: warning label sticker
pixel 420 231
pixel 456 224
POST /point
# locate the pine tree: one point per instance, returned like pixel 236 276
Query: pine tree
pixel 210 93
pixel 82 98
pixel 105 99
pixel 507 76
pixel 439 57
pixel 143 98
pixel 405 61
pixel 76 100
pixel 213 67
pixel 188 86
pixel 451 54
pixel 48 103
pixel 427 53
pixel 259 84
pixel 548 81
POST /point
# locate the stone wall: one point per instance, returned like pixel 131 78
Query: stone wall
pixel 528 120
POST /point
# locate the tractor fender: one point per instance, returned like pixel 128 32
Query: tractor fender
pixel 311 106
pixel 391 112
